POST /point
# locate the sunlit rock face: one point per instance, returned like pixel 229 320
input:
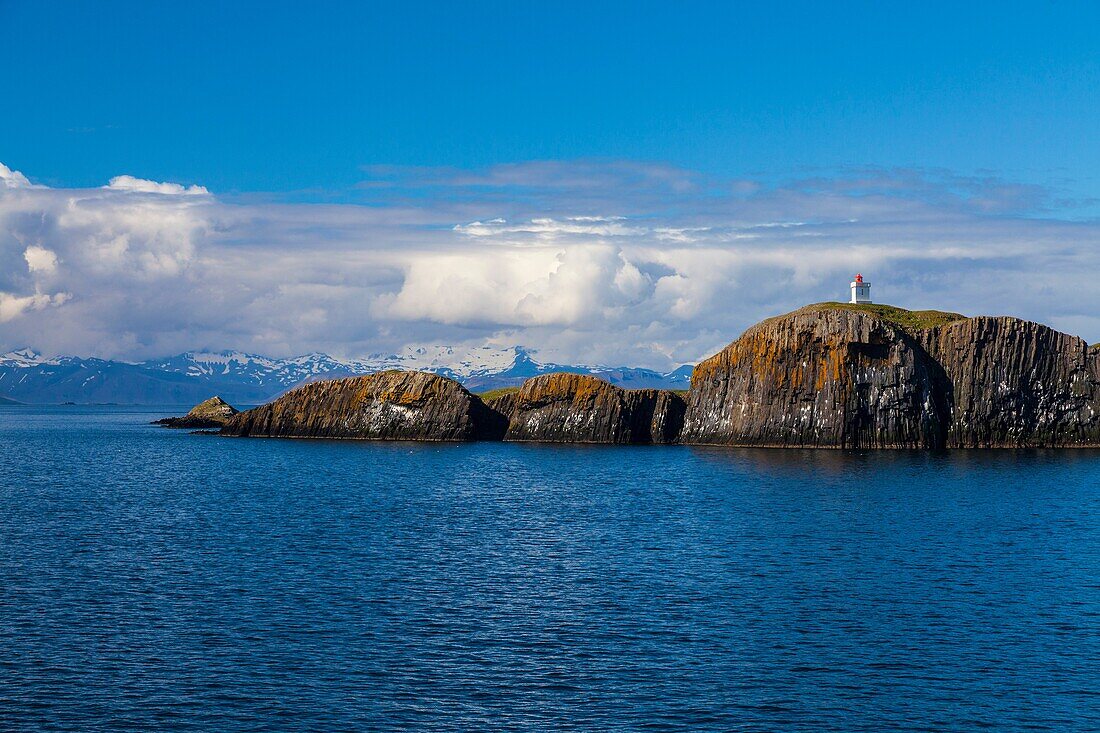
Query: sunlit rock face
pixel 818 378
pixel 1013 383
pixel 391 405
pixel 212 413
pixel 576 408
pixel 873 377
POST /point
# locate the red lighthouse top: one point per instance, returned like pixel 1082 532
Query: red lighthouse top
pixel 859 278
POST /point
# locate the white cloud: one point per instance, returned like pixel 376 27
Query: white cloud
pixel 12 306
pixel 141 185
pixel 612 265
pixel 40 259
pixel 12 179
pixel 547 228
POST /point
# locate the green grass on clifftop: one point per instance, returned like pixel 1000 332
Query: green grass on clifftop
pixel 907 320
pixel 496 392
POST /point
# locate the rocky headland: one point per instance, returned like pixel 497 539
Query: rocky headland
pixel 871 376
pixel 829 377
pixel 832 375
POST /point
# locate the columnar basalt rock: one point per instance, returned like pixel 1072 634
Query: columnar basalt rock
pixel 668 417
pixel 831 375
pixel 504 403
pixel 575 408
pixel 821 378
pixel 1013 383
pixel 391 405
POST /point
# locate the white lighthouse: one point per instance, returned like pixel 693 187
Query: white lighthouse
pixel 861 291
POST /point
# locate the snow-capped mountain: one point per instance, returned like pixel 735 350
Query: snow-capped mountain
pixel 244 379
pixel 251 368
pixel 22 358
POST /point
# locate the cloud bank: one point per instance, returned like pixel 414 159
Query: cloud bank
pixel 597 262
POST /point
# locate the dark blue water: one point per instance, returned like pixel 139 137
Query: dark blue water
pixel 151 579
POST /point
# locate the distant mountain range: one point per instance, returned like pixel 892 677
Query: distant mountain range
pixel 246 379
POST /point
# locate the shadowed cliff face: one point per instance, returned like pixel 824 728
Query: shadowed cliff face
pixel 1013 383
pixel 390 405
pixel 832 378
pixel 574 408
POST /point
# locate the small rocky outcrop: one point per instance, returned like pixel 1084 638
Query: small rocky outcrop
pixel 834 378
pixel 1014 383
pixel 390 405
pixel 212 413
pixel 576 408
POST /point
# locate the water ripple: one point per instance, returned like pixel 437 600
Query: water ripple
pixel 157 580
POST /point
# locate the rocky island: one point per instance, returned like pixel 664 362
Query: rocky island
pixel 390 405
pixel 831 375
pixel 212 413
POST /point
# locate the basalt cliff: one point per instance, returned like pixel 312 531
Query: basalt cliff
pixel 1012 383
pixel 390 405
pixel 832 375
pixel 576 408
pixel 841 376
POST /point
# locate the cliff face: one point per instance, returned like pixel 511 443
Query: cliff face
pixel 574 408
pixel 212 413
pixel 504 404
pixel 390 405
pixel 853 377
pixel 667 423
pixel 833 378
pixel 1012 383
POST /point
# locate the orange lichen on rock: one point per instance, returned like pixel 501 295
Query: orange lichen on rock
pixel 578 408
pixel 390 405
pixel 815 378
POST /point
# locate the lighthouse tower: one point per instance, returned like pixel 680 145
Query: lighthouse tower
pixel 861 291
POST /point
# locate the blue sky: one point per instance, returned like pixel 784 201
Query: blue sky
pixel 271 97
pixel 614 182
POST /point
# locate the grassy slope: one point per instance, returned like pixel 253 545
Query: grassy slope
pixel 496 392
pixel 907 320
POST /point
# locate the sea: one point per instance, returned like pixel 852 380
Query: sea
pixel 155 580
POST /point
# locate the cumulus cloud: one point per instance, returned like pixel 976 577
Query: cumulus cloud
pixel 141 185
pixel 12 179
pixel 12 306
pixel 617 263
pixel 40 259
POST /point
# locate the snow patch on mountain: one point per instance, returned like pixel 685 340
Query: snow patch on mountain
pixel 21 358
